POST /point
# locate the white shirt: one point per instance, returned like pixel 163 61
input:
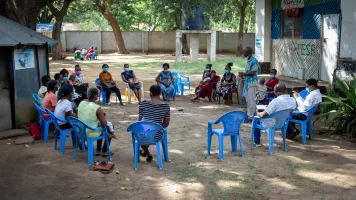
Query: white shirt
pixel 313 98
pixel 282 102
pixel 62 107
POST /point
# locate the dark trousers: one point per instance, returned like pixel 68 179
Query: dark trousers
pixel 108 93
pixel 65 126
pixel 101 148
pixel 291 125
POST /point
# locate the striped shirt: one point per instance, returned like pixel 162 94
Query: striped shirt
pixel 154 112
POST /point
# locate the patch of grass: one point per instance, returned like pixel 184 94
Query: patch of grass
pixel 198 67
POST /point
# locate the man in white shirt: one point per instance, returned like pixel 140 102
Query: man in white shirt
pixel 283 102
pixel 312 99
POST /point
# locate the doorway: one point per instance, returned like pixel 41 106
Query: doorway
pixel 5 105
pixel 330 46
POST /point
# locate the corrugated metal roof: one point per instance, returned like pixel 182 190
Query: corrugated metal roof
pixel 12 33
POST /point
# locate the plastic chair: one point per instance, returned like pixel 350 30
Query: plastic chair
pixel 79 128
pixel 268 98
pixel 148 133
pixel 179 84
pixel 231 122
pixel 306 125
pixel 36 99
pixel 128 92
pixel 92 56
pixel 102 92
pixel 43 122
pixel 243 96
pixel 63 133
pixel 280 123
pixel 304 93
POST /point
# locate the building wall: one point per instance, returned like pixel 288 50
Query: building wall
pixel 288 55
pixel 348 27
pixel 153 41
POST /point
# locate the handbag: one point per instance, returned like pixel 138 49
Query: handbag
pixel 108 85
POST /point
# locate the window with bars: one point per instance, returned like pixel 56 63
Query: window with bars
pixel 292 23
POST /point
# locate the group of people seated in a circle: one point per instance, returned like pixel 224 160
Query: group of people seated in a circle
pixel 84 54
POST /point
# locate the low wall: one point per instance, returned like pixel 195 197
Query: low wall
pixel 148 42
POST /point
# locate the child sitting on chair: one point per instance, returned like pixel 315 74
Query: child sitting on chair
pixel 205 81
pixel 261 91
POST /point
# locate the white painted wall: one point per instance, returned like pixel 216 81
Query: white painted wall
pixel 263 30
pixel 348 29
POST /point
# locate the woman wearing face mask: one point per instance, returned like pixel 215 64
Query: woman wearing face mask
pixel 109 84
pixel 228 82
pixel 50 99
pixel 166 82
pixel 65 75
pixel 205 91
pixel 64 107
pixel 129 77
pixel 78 83
pixel 273 81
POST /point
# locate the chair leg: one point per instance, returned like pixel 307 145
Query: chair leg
pixel 304 132
pixel 136 154
pixel 310 129
pixel 133 141
pixel 62 141
pixel 129 95
pixel 45 131
pixel 284 139
pixel 189 88
pixel 159 155
pixel 252 138
pixel 108 147
pixel 56 132
pixel 233 139
pixel 221 147
pixel 182 89
pixel 241 146
pixel 270 133
pixel 209 142
pixel 165 146
pixel 103 94
pixel 90 152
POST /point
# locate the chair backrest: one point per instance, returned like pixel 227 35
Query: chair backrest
pixel 304 93
pixel 55 119
pixel 146 133
pixel 176 76
pixel 97 82
pixel 36 99
pixel 38 108
pixel 232 121
pixel 79 127
pixel 281 118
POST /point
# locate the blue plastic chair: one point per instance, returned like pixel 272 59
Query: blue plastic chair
pixel 102 92
pixel 306 125
pixel 147 133
pixel 269 99
pixel 304 93
pixel 92 57
pixel 63 133
pixel 43 122
pixel 243 96
pixel 36 99
pixel 179 84
pixel 231 122
pixel 281 124
pixel 79 128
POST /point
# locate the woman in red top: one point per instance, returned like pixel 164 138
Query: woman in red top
pixel 90 53
pixel 273 81
pixel 206 90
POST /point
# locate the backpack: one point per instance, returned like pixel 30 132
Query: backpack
pixel 35 131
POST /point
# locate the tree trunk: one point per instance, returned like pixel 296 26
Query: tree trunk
pixel 240 42
pixel 56 34
pixel 121 49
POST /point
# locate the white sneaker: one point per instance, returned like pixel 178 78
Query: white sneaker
pixel 258 145
pixel 108 103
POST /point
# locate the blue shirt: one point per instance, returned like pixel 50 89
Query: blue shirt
pixel 252 65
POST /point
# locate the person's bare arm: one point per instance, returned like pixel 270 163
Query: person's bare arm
pixel 124 79
pixel 158 80
pixel 262 114
pixel 166 122
pixel 101 116
pixel 170 74
pixel 134 77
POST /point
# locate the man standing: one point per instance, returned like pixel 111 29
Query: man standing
pixel 312 99
pixel 251 82
pixel 283 102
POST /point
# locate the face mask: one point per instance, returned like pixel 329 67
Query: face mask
pixel 65 78
pixel 105 69
pixel 126 69
pixel 166 70
pixel 78 73
pixel 271 75
pixel 207 70
pixel 226 71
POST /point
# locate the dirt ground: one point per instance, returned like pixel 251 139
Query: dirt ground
pixel 322 169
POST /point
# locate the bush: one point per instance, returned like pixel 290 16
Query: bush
pixel 339 112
